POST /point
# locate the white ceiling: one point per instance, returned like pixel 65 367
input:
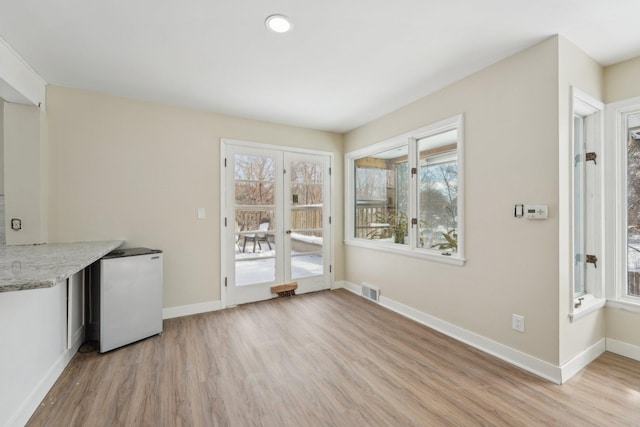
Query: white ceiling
pixel 346 62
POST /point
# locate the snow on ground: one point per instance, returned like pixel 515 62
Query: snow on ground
pixel 259 267
pixel 307 239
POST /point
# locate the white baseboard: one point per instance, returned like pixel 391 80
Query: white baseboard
pixel 529 363
pixel 579 362
pixel 342 284
pixel 187 310
pixel 32 402
pixel 623 349
pixel 541 368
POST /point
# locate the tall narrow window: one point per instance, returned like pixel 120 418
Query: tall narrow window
pixel 438 192
pixel 632 136
pixel 579 206
pixel 623 124
pixel 405 194
pixel 587 162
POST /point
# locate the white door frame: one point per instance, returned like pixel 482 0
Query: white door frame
pixel 228 222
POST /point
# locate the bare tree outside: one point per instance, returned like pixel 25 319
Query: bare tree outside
pixel 306 182
pixel 254 190
pixel 633 205
pixel 438 202
pixel 382 197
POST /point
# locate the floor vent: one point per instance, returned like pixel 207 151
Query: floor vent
pixel 370 292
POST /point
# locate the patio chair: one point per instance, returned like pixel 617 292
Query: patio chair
pixel 237 231
pixel 257 238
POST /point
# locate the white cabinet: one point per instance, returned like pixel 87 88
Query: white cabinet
pixel 40 331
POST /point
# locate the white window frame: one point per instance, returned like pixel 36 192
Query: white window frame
pixel 616 204
pixel 408 139
pixel 593 298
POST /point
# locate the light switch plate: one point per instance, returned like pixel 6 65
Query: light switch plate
pixel 201 213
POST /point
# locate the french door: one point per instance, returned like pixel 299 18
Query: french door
pixel 277 207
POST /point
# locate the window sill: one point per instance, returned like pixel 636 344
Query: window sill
pixel 404 250
pixel 624 305
pixel 589 305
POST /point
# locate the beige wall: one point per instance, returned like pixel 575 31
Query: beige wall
pixel 622 326
pixel 123 169
pixel 511 154
pixel 622 82
pixel 138 171
pixel 25 172
pixel 579 70
pixel 1 147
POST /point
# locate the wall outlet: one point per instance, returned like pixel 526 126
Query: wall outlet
pixel 16 224
pixel 517 322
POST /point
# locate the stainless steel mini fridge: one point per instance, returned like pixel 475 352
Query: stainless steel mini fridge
pixel 126 297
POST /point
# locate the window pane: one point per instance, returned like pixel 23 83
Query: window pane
pixel 254 168
pixel 579 206
pixel 633 204
pixel 254 193
pixel 306 219
pixel 254 180
pixel 255 250
pixel 438 192
pixel 306 254
pixel 381 196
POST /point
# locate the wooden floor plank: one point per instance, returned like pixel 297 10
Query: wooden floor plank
pixel 325 359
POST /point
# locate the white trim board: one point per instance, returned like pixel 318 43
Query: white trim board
pixel 529 363
pixel 19 83
pixel 342 284
pixel 187 310
pixel 579 362
pixel 623 349
pixel 31 403
pixel 541 368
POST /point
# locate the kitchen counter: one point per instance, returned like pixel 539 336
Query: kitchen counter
pixel 25 267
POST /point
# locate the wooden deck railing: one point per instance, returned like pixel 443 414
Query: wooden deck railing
pixel 633 283
pixel 310 217
pixel 368 213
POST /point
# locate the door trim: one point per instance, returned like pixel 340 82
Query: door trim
pixel 224 261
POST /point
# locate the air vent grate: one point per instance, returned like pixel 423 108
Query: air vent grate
pixel 370 292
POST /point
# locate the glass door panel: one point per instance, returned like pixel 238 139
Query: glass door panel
pixel 277 222
pixel 255 247
pixel 255 214
pixel 307 258
pixel 305 236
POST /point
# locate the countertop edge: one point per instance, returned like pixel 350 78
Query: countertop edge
pixel 60 277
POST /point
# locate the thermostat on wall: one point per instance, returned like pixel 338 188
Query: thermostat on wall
pixel 536 211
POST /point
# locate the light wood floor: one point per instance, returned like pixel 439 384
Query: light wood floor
pixel 325 359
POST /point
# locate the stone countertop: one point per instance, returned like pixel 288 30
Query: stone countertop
pixel 43 266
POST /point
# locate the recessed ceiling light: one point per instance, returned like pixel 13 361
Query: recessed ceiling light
pixel 279 24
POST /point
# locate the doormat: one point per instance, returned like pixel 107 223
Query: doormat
pixel 286 290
